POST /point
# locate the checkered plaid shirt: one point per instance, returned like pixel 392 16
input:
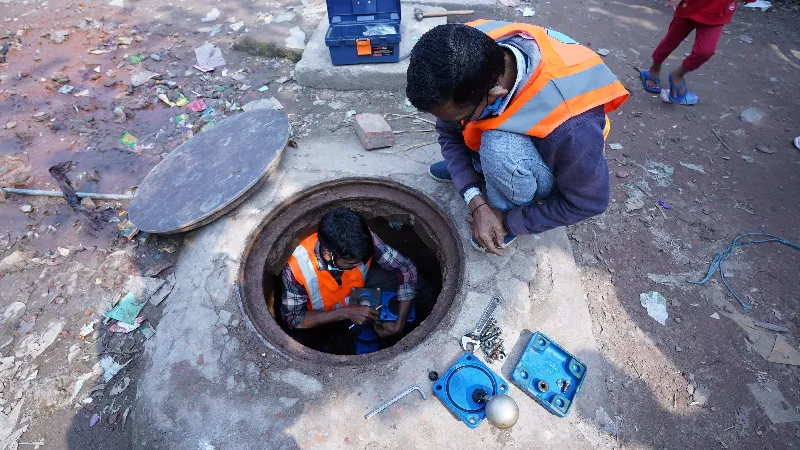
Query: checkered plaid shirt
pixel 295 296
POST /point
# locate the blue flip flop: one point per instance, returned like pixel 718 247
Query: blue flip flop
pixel 645 76
pixel 687 98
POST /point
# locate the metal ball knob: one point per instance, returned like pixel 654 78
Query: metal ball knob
pixel 502 411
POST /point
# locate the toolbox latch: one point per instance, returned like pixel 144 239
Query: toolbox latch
pixel 363 47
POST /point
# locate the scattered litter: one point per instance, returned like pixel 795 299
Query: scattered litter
pixel 751 115
pixel 236 26
pixel 163 291
pixel 197 105
pixel 660 172
pixel 527 11
pixel 763 5
pixel 264 88
pixel 695 167
pixel 140 77
pixel 742 239
pixel 615 146
pixel 65 89
pixel 745 39
pixel 211 16
pixel 656 306
pixel 603 52
pixel 771 326
pixel 126 228
pixel 14 312
pixel 774 404
pixel 35 344
pixel 748 159
pixel 147 330
pixel 700 393
pixel 93 421
pixel 209 56
pixel 83 93
pixel 663 204
pixel 264 103
pixel 120 327
pixel 128 140
pixel 110 367
pixel 134 59
pixel 296 39
pixel 120 387
pixel 127 310
pixel 143 287
pixel 79 382
pixel 88 329
pixel 58 37
pixel 715 316
pixel 212 30
pixel 635 199
pixel 784 353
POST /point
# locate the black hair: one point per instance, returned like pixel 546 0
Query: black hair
pixel 453 62
pixel 346 234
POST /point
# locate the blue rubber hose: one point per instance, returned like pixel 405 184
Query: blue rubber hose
pixel 742 239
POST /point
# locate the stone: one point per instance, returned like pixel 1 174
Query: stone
pixel 316 70
pixel 622 174
pixel 615 146
pixel 41 116
pixel 764 148
pixel 87 202
pixel 748 159
pixel 14 312
pixel 26 208
pixel 373 131
pixel 10 125
pixel 603 52
pixel 141 76
pixel 264 103
pixel 58 37
pixel 752 115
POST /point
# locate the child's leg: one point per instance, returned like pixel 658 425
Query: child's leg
pixel 678 30
pixel 705 44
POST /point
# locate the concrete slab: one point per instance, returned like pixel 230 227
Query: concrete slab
pixel 316 70
pixel 210 385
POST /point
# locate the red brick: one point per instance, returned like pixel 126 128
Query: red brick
pixel 373 131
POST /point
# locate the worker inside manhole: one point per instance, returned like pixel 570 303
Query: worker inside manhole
pixel 347 288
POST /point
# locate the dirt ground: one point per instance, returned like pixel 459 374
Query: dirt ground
pixel 701 162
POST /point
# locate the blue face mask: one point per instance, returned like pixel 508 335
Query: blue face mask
pixel 491 109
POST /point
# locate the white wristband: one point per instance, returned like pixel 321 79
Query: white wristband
pixel 471 193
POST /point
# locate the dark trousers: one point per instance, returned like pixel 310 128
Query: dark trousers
pixel 338 339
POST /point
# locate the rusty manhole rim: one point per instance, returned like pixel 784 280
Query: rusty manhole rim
pixel 270 244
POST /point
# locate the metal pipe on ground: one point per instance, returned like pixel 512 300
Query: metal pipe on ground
pixel 40 193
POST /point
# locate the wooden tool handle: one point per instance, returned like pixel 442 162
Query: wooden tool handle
pixel 465 12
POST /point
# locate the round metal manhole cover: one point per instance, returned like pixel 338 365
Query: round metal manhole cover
pixel 210 174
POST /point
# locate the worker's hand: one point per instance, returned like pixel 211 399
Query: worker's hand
pixel 488 229
pixel 360 314
pixel 386 329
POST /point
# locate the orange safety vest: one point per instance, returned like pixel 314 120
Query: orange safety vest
pixel 324 293
pixel 570 79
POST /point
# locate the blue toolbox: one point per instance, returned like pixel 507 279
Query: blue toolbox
pixel 384 301
pixel 549 374
pixel 463 386
pixel 363 31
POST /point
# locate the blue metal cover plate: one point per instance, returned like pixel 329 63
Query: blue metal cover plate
pixel 544 360
pixel 456 386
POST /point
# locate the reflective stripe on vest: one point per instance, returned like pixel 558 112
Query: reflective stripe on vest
pixel 310 275
pixel 569 80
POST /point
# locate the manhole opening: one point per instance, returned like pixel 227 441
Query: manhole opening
pixel 427 236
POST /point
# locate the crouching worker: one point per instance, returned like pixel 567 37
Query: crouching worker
pixel 524 108
pixel 344 254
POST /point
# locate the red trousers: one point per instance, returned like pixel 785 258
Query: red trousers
pixel 705 42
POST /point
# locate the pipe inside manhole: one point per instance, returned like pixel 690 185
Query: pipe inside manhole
pixel 428 237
